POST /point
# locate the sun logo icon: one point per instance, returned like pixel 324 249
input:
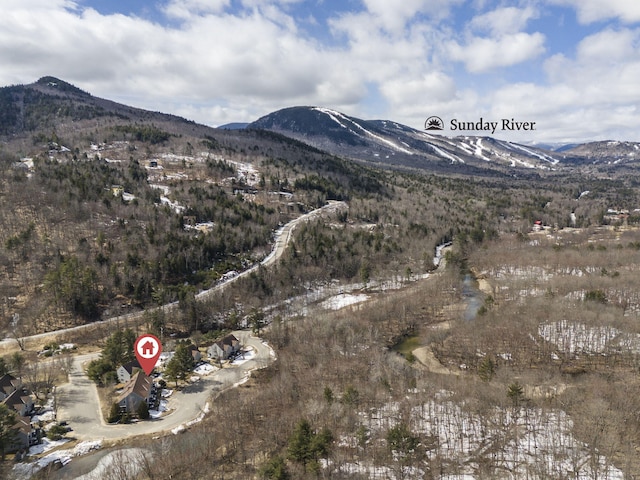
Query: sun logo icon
pixel 434 123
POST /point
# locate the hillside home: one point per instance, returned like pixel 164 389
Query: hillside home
pixel 137 390
pixel 126 371
pixel 225 348
pixel 8 385
pixel 195 353
pixel 20 402
pixel 26 435
pixel 17 398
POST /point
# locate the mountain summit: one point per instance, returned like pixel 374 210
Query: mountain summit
pixel 388 142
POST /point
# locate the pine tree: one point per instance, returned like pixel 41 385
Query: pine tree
pixel 180 365
pixel 307 446
pixel 486 369
pixel 8 429
pixel 299 449
pixel 276 469
pixel 114 413
pixel 516 393
pixel 143 411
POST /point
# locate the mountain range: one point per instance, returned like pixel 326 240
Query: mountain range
pixel 53 104
pixel 388 142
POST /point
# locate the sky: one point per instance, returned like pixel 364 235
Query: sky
pixel 570 66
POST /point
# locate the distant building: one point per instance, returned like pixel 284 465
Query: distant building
pixel 20 402
pixel 225 348
pixel 137 390
pixel 26 435
pixel 195 353
pixel 8 385
pixel 126 371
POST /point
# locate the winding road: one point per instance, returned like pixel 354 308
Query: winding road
pixel 282 239
pixel 77 400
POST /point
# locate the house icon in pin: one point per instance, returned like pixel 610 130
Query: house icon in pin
pixel 148 348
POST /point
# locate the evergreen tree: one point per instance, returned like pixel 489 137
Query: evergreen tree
pixel 181 364
pixel 8 429
pixel 276 469
pixel 299 449
pixel 515 392
pixel 307 446
pixel 4 366
pixel 114 413
pixel 143 411
pixel 117 351
pixel 486 369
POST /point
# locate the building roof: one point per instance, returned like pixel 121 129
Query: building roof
pixel 130 366
pixel 230 340
pixel 23 424
pixel 140 384
pixel 9 383
pixel 17 399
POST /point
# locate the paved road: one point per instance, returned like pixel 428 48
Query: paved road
pixel 78 400
pixel 282 239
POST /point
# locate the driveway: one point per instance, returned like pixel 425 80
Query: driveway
pixel 78 403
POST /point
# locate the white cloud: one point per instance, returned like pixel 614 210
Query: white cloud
pixel 394 16
pixel 186 9
pixel 482 54
pixel 609 45
pixel 592 96
pixel 507 20
pixel 603 69
pixel 430 88
pixel 590 11
pixel 229 60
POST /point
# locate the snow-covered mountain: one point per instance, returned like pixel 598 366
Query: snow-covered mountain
pixel 388 142
pixel 604 153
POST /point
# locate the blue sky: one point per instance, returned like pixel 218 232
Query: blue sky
pixel 572 66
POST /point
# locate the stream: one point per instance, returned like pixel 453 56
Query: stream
pixel 473 297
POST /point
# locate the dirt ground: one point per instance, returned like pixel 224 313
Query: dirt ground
pixel 426 357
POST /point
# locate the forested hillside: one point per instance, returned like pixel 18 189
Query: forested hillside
pixel 486 364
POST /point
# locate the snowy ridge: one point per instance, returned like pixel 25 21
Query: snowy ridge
pixel 396 144
pixel 543 157
pixel 334 116
pixel 444 154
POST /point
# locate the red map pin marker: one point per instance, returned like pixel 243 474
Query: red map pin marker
pixel 147 349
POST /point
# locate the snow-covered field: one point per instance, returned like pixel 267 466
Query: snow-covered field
pixel 343 300
pixel 126 463
pixel 575 338
pixel 244 357
pixel 163 407
pixel 204 369
pixel 528 443
pixel 27 469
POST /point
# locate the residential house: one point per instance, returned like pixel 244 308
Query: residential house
pixel 138 389
pixel 20 402
pixel 126 371
pixel 225 348
pixel 195 353
pixel 17 399
pixel 8 385
pixel 26 435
